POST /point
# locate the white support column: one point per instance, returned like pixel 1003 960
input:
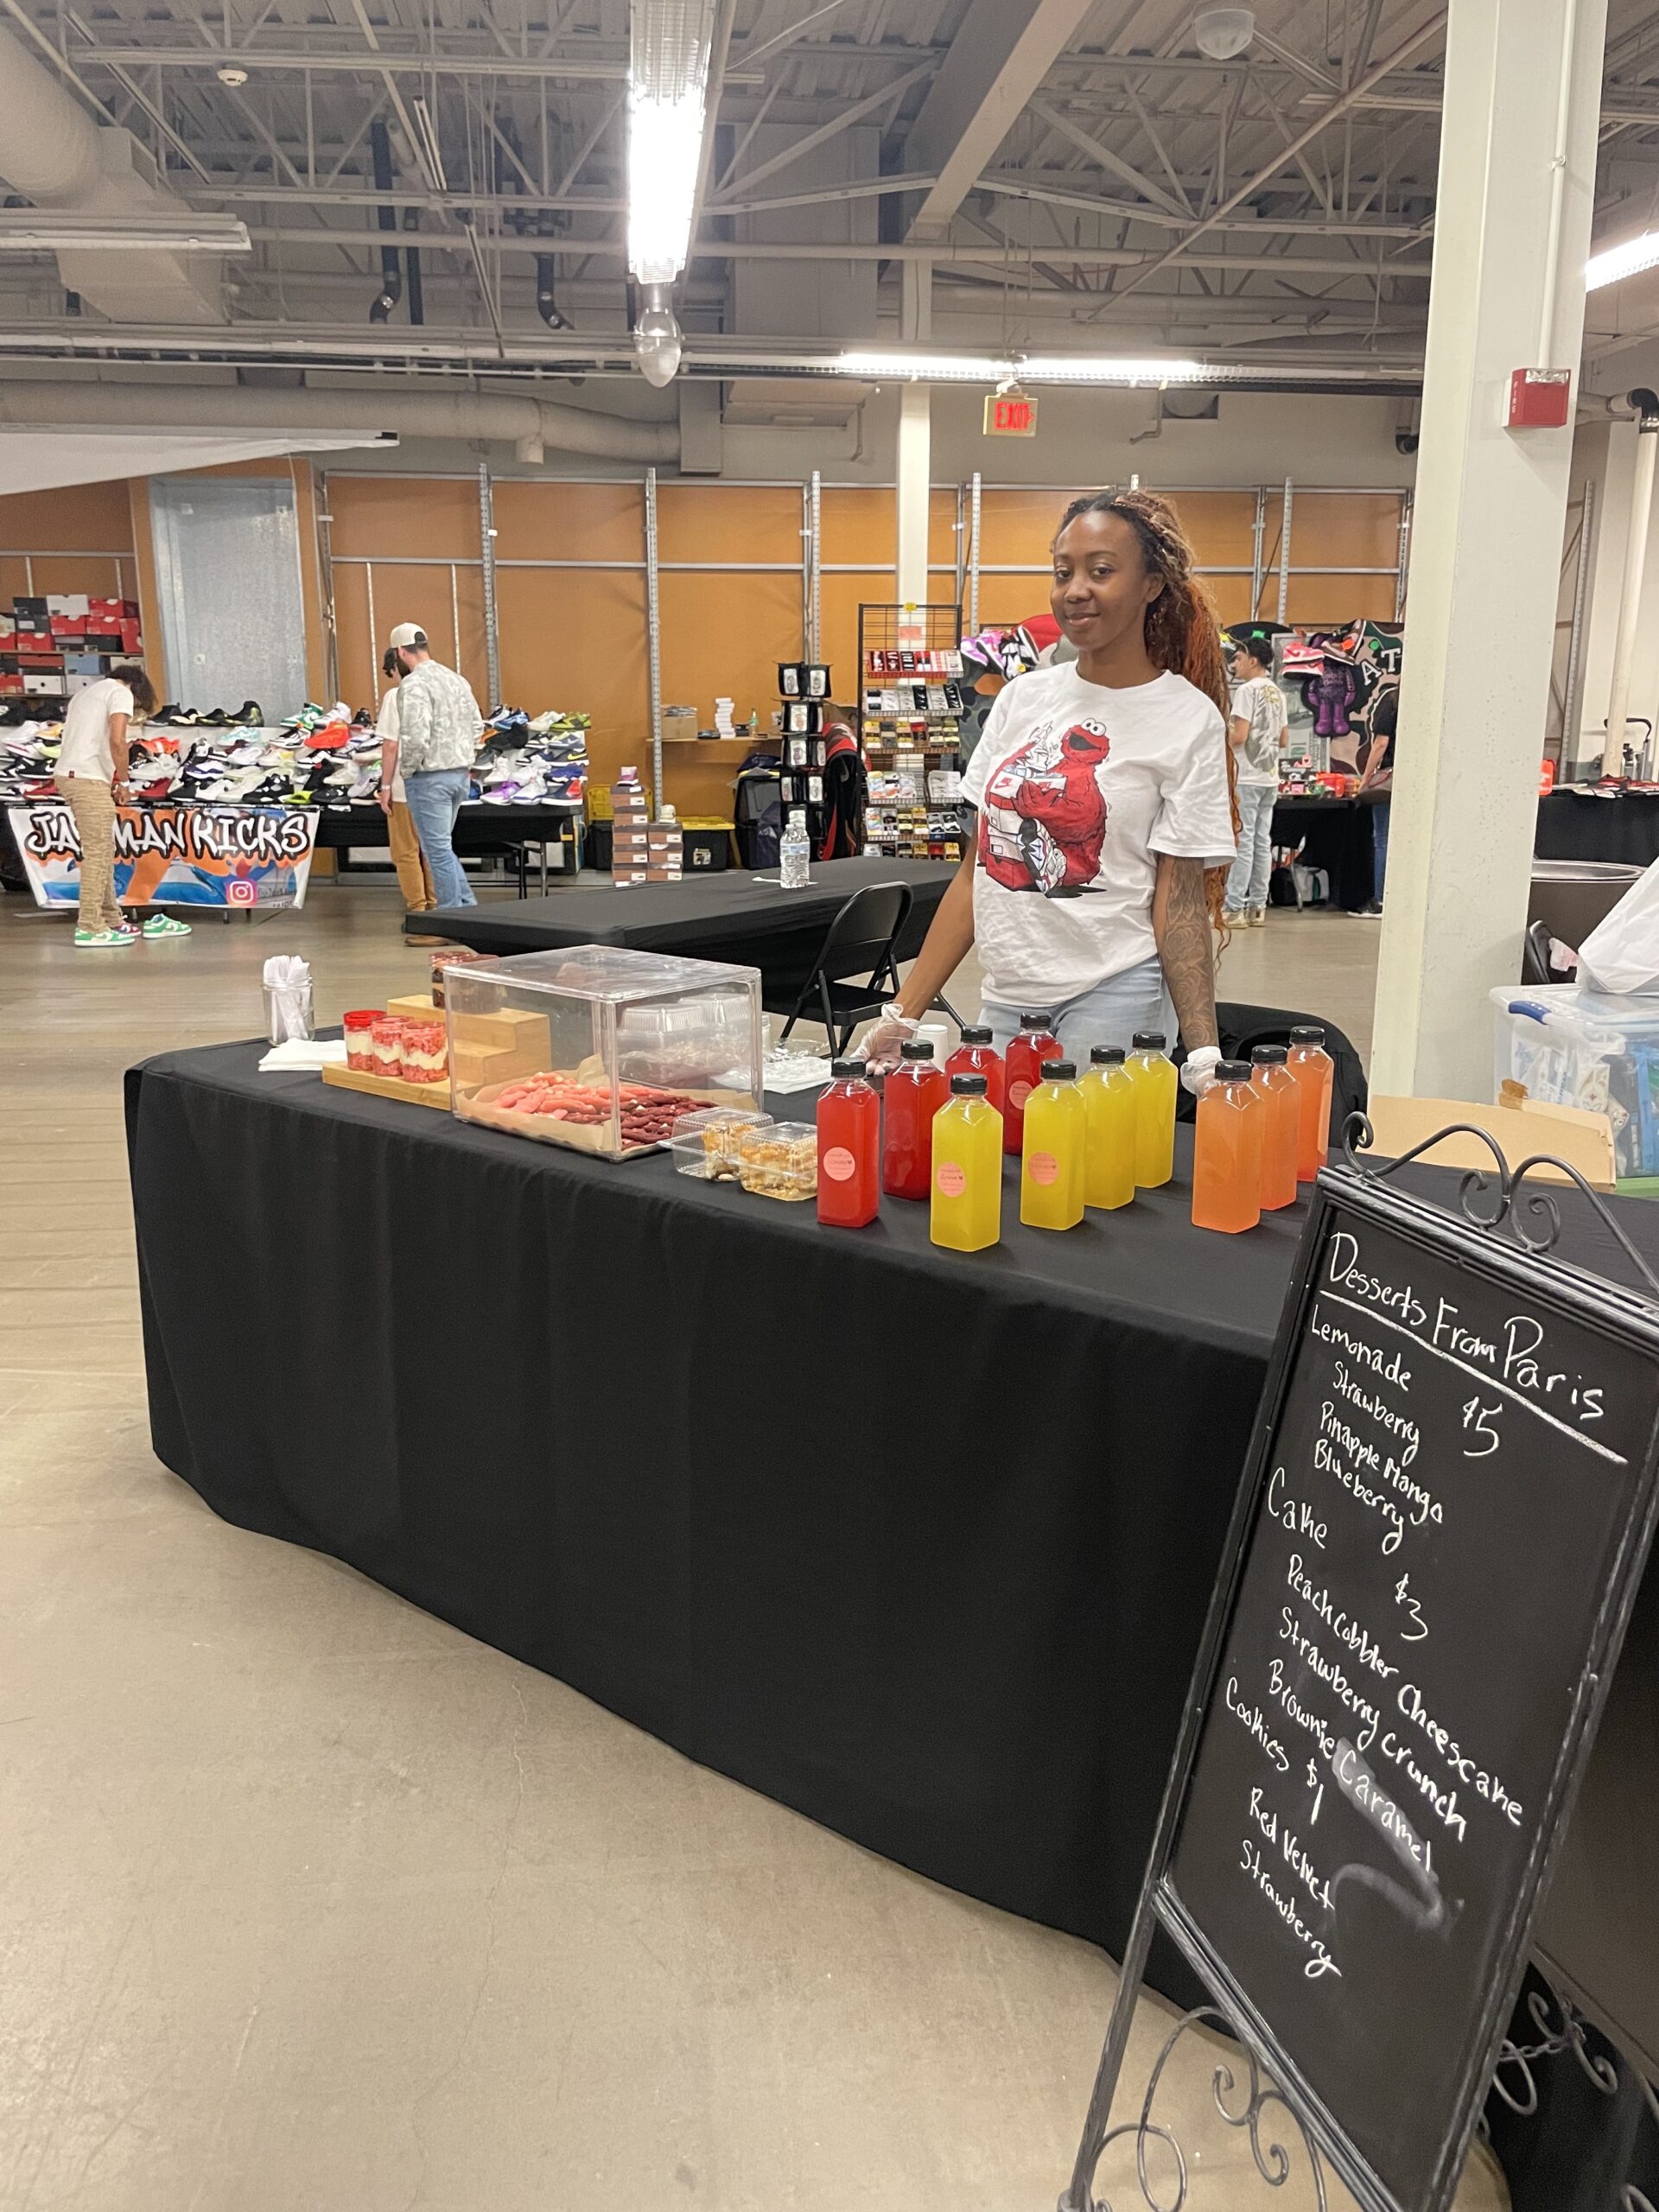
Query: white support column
pixel 1521 78
pixel 913 471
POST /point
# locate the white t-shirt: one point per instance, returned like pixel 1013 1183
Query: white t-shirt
pixel 1262 704
pixel 85 747
pixel 386 728
pixel 1078 789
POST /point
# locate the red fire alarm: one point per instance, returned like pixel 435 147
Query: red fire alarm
pixel 1538 399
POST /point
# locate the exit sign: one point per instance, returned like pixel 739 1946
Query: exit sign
pixel 1010 415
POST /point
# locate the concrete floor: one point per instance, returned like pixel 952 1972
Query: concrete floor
pixel 309 1903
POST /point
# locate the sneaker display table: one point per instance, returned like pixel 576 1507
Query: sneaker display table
pixel 480 829
pixel 737 914
pixel 1582 825
pixel 533 1393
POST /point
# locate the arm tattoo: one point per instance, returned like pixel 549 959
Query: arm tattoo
pixel 1186 948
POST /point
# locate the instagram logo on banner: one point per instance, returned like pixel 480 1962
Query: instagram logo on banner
pixel 240 892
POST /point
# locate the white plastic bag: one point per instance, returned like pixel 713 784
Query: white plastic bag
pixel 1622 952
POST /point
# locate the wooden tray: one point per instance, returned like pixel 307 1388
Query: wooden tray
pixel 389 1086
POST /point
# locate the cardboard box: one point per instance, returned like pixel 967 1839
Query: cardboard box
pixel 1584 1141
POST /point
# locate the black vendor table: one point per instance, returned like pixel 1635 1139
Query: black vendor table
pixel 1336 835
pixel 1580 826
pixel 480 830
pixel 734 914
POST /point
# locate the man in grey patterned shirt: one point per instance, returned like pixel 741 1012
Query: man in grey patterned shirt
pixel 438 726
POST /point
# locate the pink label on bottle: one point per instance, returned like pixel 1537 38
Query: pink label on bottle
pixel 951 1181
pixel 1044 1167
pixel 1018 1094
pixel 839 1165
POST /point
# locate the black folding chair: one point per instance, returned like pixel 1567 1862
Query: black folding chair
pixel 860 942
pixel 1534 955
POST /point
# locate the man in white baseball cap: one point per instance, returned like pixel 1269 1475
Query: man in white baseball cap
pixel 438 727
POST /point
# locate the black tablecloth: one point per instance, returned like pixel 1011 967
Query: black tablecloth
pixel 736 914
pixel 604 1416
pixel 1336 835
pixel 1577 826
pixel 478 827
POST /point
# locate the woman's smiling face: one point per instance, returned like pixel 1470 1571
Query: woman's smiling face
pixel 1101 590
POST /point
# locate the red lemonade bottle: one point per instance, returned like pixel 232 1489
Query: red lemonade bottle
pixel 1227 1152
pixel 849 1148
pixel 1281 1125
pixel 1025 1054
pixel 1313 1068
pixel 976 1055
pixel 912 1095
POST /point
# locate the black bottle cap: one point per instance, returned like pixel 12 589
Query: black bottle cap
pixel 1107 1056
pixel 1308 1033
pixel 1033 1020
pixel 846 1070
pixel 1232 1071
pixel 1268 1055
pixel 1148 1040
pixel 916 1048
pixel 976 1036
pixel 1058 1070
pixel 967 1086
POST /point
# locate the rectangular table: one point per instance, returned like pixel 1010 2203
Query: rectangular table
pixel 736 914
pixel 480 829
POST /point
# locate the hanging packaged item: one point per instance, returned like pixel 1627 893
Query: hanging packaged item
pixel 803 679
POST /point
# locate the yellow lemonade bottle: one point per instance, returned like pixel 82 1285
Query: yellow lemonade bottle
pixel 967 1197
pixel 1051 1168
pixel 1108 1100
pixel 1152 1071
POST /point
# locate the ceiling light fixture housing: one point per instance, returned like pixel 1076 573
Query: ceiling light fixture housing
pixel 1615 262
pixel 668 91
pixel 1034 368
pixel 658 340
pixel 231 75
pixel 1223 33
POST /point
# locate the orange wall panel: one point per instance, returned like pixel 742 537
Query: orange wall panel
pixel 857 523
pixel 942 533
pixel 1351 530
pixel 358 657
pixel 537 520
pixel 736 523
pixel 576 638
pixel 414 516
pixel 1327 601
pixel 838 607
pixel 727 634
pixel 77 518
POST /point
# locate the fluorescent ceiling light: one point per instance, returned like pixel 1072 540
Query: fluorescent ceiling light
pixel 668 91
pixel 1040 368
pixel 44 230
pixel 1618 262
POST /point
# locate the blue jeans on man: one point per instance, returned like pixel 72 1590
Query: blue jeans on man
pixel 435 798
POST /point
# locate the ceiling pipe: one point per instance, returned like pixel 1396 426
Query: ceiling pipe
pixel 392 273
pixel 467 416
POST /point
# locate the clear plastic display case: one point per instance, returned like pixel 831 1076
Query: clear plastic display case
pixel 602 1047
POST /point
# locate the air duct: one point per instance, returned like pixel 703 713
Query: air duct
pixel 392 270
pixel 467 416
pixel 53 153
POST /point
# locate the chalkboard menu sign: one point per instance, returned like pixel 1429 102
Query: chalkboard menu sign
pixel 1449 1500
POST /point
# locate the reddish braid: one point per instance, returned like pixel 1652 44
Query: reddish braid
pixel 1182 631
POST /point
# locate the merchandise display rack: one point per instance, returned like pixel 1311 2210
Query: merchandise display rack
pixel 911 699
pixel 52 645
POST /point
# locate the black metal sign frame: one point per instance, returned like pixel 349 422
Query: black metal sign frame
pixel 1504 1234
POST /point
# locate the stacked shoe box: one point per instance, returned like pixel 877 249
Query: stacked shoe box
pixel 629 831
pixel 52 645
pixel 665 847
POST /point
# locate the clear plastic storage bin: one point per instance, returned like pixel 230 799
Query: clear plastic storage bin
pixel 1564 1046
pixel 601 1047
pixel 704 1144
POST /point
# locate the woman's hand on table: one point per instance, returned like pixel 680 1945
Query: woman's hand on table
pixel 881 1047
pixel 1198 1069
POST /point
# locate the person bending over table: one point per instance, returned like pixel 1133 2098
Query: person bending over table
pixel 92 774
pixel 1106 818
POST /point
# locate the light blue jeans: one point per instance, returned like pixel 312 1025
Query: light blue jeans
pixel 435 798
pixel 1247 882
pixel 1109 1014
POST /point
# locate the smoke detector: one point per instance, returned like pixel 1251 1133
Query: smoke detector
pixel 1223 33
pixel 237 77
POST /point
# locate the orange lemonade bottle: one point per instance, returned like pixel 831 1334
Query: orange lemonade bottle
pixel 1227 1152
pixel 849 1148
pixel 1281 1125
pixel 1109 1100
pixel 1152 1071
pixel 1025 1054
pixel 967 1210
pixel 1313 1068
pixel 1056 1150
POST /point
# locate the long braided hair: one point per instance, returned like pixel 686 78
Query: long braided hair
pixel 1182 633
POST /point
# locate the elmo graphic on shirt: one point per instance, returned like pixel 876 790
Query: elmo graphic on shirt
pixel 1043 820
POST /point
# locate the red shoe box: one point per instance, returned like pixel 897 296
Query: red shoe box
pixel 131 637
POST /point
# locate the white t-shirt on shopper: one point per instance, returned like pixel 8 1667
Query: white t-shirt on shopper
pixel 84 750
pixel 1262 704
pixel 1078 789
pixel 387 729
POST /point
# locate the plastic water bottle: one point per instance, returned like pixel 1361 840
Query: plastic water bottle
pixel 794 855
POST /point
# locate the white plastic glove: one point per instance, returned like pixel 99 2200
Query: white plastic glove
pixel 1198 1069
pixel 878 1048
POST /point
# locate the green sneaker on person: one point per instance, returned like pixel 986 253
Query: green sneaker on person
pixel 164 925
pixel 98 939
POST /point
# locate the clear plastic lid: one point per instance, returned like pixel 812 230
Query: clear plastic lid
pixel 617 974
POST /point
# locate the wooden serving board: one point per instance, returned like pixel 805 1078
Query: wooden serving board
pixel 389 1086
